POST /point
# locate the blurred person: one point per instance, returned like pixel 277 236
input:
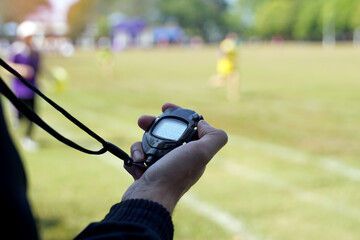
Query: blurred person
pixel 226 67
pixel 147 205
pixel 25 58
pixel 106 60
pixel 60 77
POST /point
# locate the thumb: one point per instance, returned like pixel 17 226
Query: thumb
pixel 210 138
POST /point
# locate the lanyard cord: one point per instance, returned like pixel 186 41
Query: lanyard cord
pixel 32 116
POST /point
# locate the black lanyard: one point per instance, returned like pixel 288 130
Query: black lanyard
pixel 32 116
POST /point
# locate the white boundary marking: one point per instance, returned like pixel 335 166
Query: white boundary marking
pixel 229 223
pixel 330 164
pixel 304 195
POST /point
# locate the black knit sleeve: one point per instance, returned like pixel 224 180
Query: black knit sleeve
pixel 132 219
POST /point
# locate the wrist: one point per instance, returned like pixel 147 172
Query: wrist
pixel 165 196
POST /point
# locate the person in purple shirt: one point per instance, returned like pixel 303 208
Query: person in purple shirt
pixel 26 60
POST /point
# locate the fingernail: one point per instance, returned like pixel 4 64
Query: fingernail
pixel 137 155
pixel 203 122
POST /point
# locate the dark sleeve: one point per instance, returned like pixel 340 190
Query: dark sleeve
pixel 16 58
pixel 132 219
pixel 18 221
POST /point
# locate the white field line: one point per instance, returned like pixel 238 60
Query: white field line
pixel 330 164
pixel 304 195
pixel 229 223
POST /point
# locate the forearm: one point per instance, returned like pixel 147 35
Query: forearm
pixel 23 69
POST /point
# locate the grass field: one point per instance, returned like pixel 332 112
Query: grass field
pixel 291 168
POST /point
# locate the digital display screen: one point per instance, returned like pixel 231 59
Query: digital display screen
pixel 169 128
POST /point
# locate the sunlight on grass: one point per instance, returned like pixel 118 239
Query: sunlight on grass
pixel 295 99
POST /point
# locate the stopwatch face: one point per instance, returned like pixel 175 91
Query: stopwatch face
pixel 173 128
pixel 169 128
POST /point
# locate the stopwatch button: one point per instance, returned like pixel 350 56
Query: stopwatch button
pixel 169 145
pixel 196 117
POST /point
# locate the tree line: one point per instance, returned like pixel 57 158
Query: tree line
pixel 302 19
pixel 212 19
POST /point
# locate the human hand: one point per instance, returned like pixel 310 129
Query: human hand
pixel 24 70
pixel 172 175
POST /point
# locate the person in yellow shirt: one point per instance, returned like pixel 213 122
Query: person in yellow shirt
pixel 226 67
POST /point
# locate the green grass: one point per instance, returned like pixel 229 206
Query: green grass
pixel 300 105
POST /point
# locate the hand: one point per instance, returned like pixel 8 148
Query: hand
pixel 173 175
pixel 24 70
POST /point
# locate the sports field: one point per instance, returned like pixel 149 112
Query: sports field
pixel 290 170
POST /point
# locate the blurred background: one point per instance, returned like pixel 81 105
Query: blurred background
pixel 291 107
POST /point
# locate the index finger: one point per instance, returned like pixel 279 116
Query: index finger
pixel 169 105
